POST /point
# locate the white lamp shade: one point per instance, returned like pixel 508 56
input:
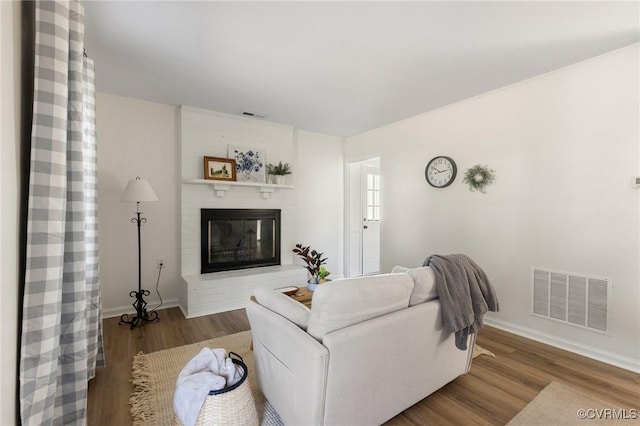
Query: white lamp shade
pixel 138 190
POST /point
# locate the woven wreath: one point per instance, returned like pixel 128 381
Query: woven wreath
pixel 479 177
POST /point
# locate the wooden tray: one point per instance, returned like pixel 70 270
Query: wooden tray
pixel 289 291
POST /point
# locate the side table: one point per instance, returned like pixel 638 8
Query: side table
pixel 304 296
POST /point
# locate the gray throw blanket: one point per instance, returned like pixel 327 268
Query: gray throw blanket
pixel 465 294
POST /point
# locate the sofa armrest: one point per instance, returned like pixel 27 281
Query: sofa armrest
pixel 388 364
pixel 291 366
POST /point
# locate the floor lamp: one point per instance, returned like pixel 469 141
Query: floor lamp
pixel 139 190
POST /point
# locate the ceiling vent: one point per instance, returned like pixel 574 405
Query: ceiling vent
pixel 574 299
pixel 253 114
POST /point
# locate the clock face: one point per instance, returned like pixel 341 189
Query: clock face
pixel 440 172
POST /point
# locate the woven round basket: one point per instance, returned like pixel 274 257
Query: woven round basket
pixel 233 405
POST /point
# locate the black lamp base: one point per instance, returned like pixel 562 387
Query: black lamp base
pixel 142 316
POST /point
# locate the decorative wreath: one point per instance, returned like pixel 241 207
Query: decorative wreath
pixel 479 177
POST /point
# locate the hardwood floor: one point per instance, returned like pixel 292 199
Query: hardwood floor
pixel 109 391
pixel 496 389
pixel 491 394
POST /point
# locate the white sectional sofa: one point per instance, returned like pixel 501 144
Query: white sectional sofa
pixel 369 348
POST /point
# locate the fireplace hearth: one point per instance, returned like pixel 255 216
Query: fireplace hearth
pixel 234 239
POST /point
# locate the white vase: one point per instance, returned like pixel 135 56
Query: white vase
pixel 280 179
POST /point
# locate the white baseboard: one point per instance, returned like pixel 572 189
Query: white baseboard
pixel 120 310
pixel 184 312
pixel 567 345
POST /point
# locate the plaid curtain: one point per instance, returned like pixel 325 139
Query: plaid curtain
pixel 62 320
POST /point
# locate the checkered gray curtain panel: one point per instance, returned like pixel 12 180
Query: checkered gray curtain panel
pixel 62 319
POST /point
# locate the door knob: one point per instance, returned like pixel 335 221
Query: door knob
pixel 365 227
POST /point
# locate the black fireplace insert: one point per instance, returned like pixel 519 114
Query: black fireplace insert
pixel 239 238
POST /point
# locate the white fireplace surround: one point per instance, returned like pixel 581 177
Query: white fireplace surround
pixel 208 133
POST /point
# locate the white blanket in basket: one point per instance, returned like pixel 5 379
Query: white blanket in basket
pixel 207 371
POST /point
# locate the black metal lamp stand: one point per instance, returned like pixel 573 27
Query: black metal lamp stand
pixel 142 316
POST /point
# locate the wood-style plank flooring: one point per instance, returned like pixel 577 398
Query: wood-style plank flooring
pixel 109 391
pixel 492 393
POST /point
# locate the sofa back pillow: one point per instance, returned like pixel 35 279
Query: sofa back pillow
pixel 341 303
pixel 425 283
pixel 283 305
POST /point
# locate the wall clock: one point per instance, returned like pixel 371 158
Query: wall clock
pixel 441 171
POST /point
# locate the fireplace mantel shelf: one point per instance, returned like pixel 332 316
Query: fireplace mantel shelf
pixel 221 187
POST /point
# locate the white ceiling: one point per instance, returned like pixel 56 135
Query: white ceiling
pixel 340 68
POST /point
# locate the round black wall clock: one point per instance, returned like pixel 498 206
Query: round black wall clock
pixel 441 171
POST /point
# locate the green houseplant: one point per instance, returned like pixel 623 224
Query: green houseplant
pixel 279 171
pixel 323 274
pixel 314 262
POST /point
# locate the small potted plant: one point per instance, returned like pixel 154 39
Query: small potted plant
pixel 279 172
pixel 314 261
pixel 323 274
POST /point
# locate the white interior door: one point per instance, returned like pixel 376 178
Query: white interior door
pixel 371 210
pixel 364 210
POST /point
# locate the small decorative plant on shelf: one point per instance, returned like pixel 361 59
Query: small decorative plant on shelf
pixel 479 177
pixel 314 261
pixel 279 171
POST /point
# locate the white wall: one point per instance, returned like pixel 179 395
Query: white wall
pixel 565 146
pixel 320 189
pixel 209 133
pixel 137 138
pixel 10 79
pixel 142 138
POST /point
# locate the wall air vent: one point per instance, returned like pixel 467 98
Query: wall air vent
pixel 253 114
pixel 574 299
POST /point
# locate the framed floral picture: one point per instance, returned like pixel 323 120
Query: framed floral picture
pixel 250 163
pixel 217 168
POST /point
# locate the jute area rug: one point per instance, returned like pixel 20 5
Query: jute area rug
pixel 154 379
pixel 559 404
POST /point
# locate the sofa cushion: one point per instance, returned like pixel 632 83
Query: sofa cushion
pixel 283 305
pixel 342 303
pixel 425 283
pixel 400 269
